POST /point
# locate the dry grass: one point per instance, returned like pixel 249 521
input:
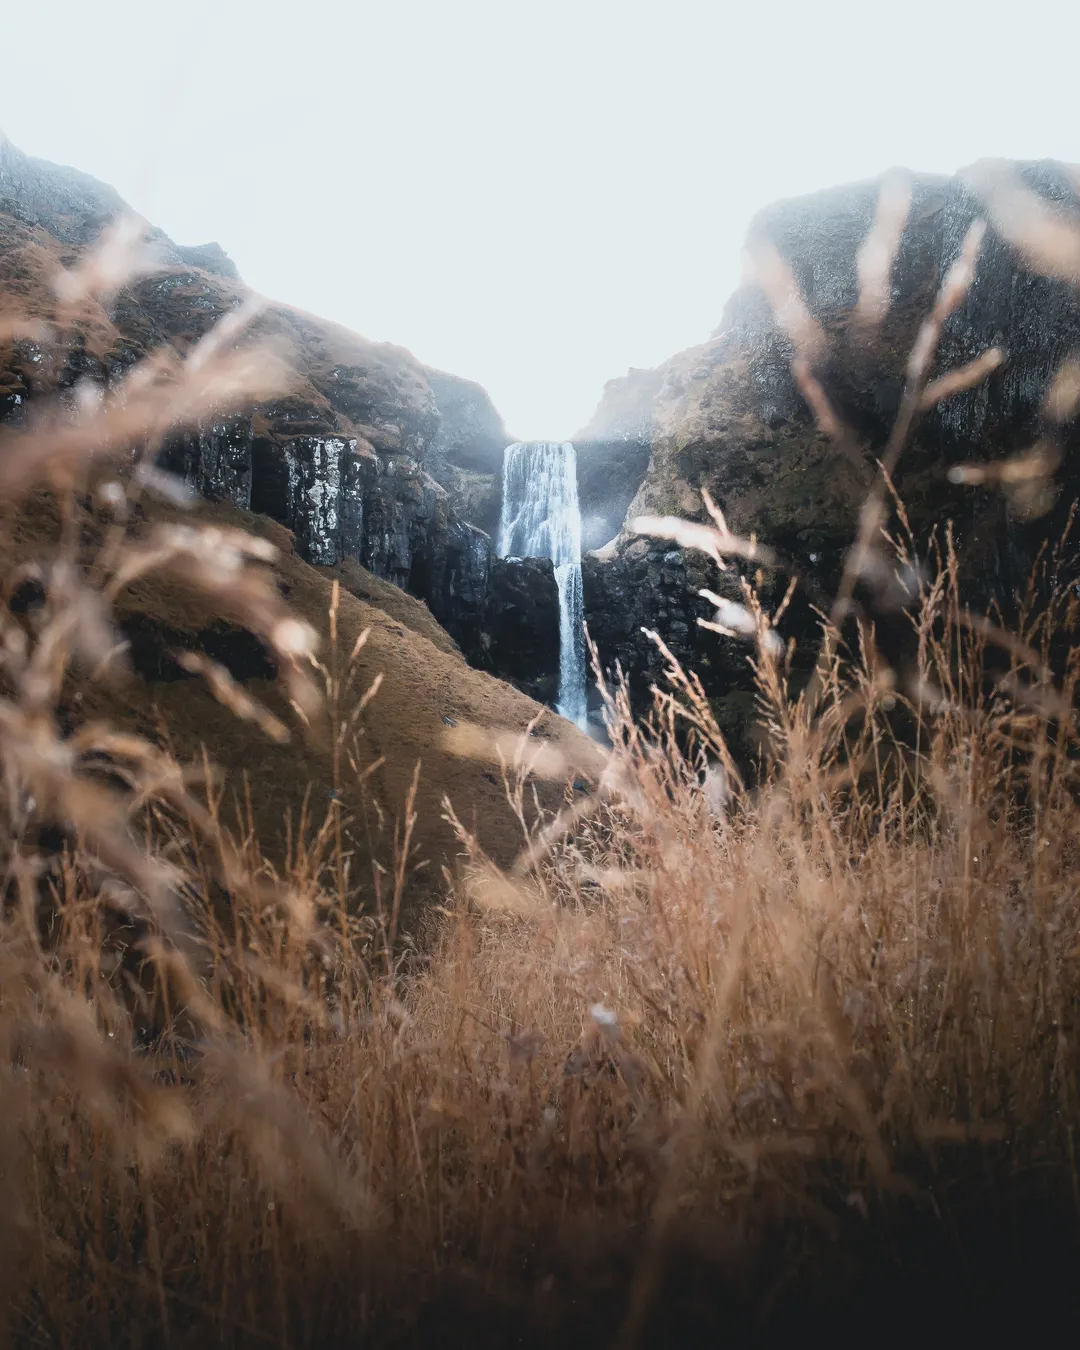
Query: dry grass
pixel 709 1058
pixel 841 1007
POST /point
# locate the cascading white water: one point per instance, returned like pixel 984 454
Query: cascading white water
pixel 540 519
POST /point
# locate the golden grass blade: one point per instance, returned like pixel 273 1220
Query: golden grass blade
pixel 233 696
pixel 875 258
pixel 774 275
pixel 702 538
pixel 1040 462
pixel 123 254
pixel 964 377
pixel 1045 237
pixel 1062 401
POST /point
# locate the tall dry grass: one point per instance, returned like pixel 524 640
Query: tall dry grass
pixel 713 1055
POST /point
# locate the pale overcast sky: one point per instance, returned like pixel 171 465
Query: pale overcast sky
pixel 536 194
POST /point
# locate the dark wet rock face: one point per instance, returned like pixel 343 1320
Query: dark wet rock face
pixel 344 501
pixel 728 416
pixel 524 625
pixel 369 458
pixel 215 462
pixel 450 571
pixel 651 585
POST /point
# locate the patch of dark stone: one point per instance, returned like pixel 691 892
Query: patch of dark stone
pixel 28 597
pixel 152 646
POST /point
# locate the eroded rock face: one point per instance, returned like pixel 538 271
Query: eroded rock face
pixel 345 501
pixel 342 460
pixel 216 461
pixel 727 415
pixel 72 206
pixel 649 586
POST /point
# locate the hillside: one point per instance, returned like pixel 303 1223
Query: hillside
pixel 728 415
pixel 359 410
pixel 340 459
pixel 427 691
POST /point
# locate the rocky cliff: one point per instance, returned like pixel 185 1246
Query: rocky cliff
pixel 728 416
pixel 343 461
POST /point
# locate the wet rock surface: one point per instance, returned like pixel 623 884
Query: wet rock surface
pixel 523 624
pixel 651 586
pixel 728 416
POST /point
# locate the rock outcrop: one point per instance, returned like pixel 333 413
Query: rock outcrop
pixel 525 639
pixel 342 461
pixel 728 416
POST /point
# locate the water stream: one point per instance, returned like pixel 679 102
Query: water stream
pixel 541 519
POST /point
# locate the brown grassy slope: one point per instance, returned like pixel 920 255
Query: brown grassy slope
pixel 397 604
pixel 758 1072
pixel 424 680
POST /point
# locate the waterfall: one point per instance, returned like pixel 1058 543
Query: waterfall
pixel 540 519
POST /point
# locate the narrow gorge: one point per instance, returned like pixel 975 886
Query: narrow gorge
pixel 728 416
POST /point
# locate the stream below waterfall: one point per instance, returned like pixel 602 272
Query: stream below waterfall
pixel 541 519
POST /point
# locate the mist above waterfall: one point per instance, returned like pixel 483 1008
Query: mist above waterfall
pixel 541 519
